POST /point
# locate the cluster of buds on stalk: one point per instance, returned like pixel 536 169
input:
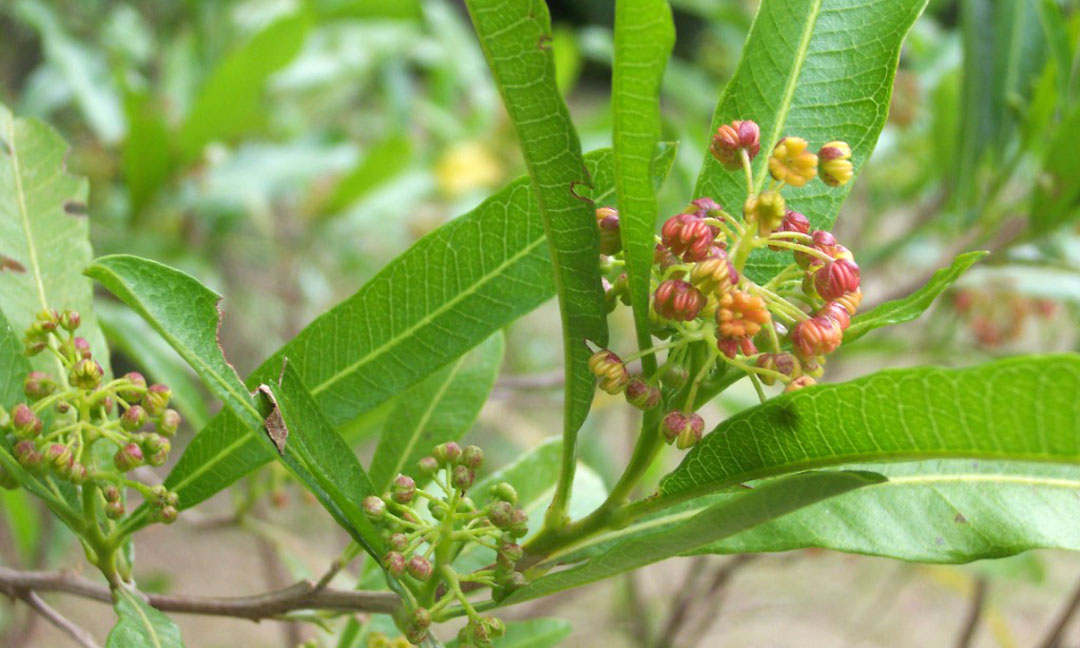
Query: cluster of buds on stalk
pixel 427 529
pixel 76 415
pixel 776 332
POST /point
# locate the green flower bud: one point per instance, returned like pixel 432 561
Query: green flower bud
pixel 500 514
pixel 156 399
pixel 169 423
pixel 447 453
pixel 505 492
pixel 86 374
pixel 70 320
pixel 428 466
pixel 509 554
pixel 398 541
pixel 133 418
pixel 133 393
pixel 39 385
pixel 394 563
pixel 374 507
pixel 462 477
pixel 168 514
pixel 128 457
pixel 403 489
pixel 114 510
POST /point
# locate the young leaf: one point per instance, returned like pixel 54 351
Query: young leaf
pixel 516 38
pixel 441 408
pixel 533 633
pixel 495 254
pixel 1019 409
pixel 231 102
pixel 320 458
pixel 812 69
pixel 912 306
pixel 1056 199
pixel 141 626
pixel 644 36
pixel 44 235
pixel 720 520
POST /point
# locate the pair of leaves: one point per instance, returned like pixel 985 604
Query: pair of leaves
pixel 812 69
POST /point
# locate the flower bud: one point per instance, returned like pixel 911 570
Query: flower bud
pixel 504 492
pixel 519 523
pixel 472 457
pixel 675 376
pixel 133 418
pixel 438 509
pixel 128 457
pixel 38 385
pixel 70 320
pixel 86 374
pixel 705 207
pixel 169 423
pixel 47 320
pixel 790 162
pixel 419 568
pixel 732 347
pixel 133 393
pixel 156 449
pixel 78 473
pixel 691 432
pixel 81 348
pixel 111 493
pixel 836 279
pixel 114 510
pixel 500 514
pixel 642 395
pixel 819 335
pixel 837 311
pixel 428 466
pixel 836 168
pixel 782 363
pixel 447 453
pixel 168 514
pixel 508 554
pixel 394 563
pixel 740 314
pixel 27 454
pixel 664 258
pixel 403 489
pixel 607 220
pixel 611 371
pixel 793 222
pixel 767 209
pixel 688 236
pixel 397 541
pixel 24 422
pixel 714 275
pixel 799 383
pixel 850 301
pixel 462 477
pixel 59 456
pixel 156 399
pixel 672 423
pixel 732 138
pixel 34 346
pixel 678 300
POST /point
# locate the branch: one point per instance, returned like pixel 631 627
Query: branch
pixel 81 636
pixel 304 595
pixel 1064 618
pixel 971 624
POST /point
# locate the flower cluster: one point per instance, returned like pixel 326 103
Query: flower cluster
pixel 776 331
pixel 426 530
pixel 76 415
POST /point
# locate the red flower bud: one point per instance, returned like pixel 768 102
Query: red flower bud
pixel 731 347
pixel 462 477
pixel 837 311
pixel 688 236
pixel 133 393
pixel 26 424
pixel 678 300
pixel 133 419
pixel 81 347
pixel 394 563
pixel 783 363
pixel 607 220
pixel 836 279
pixel 642 395
pixel 819 335
pixel 403 489
pixel 419 568
pixel 732 138
pixel 128 457
pixel 38 385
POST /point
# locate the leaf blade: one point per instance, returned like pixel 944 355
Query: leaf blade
pixel 141 626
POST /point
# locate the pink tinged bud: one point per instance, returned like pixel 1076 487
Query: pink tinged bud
pixel 27 454
pixel 59 457
pixel 799 383
pixel 26 424
pixel 78 473
pixel 819 335
pixel 678 300
pixel 428 466
pixel 836 279
pixel 156 399
pixel 133 419
pixel 128 457
pixel 509 554
pixel 500 514
pixel 462 477
pixel 447 453
pixel 732 347
pixel 672 425
pixel 419 568
pixel 607 220
pixel 394 563
pixel 663 257
pixel 782 363
pixel 421 617
pixel 70 320
pixel 39 385
pixel 732 138
pixel 688 236
pixel 169 423
pixel 403 489
pixel 706 206
pixel 398 541
pixel 111 493
pixel 47 319
pixel 472 457
pixel 86 374
pixel 156 449
pixel 82 348
pixel 114 510
pixel 133 393
pixel 642 395
pixel 168 514
pixel 837 312
pixel 691 432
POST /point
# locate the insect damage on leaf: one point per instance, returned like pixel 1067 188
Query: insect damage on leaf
pixel 7 263
pixel 274 422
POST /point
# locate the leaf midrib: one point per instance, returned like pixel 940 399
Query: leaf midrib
pixel 143 618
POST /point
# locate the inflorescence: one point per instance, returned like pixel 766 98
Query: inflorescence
pixel 74 419
pixel 779 331
pixel 427 530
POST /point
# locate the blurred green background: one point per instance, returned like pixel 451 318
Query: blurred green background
pixel 283 151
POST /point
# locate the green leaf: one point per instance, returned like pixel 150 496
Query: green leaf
pixel 1055 31
pixel 44 234
pixel 516 38
pixel 1019 409
pixel 128 332
pixel 533 633
pixel 441 408
pixel 384 161
pixel 379 342
pixel 185 313
pixel 771 500
pixel 912 306
pixel 1056 199
pixel 141 626
pixel 644 36
pixel 817 70
pixel 149 158
pixel 231 101
pixel 320 458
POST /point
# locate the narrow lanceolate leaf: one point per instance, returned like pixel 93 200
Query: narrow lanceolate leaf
pixel 44 235
pixel 533 633
pixel 406 323
pixel 915 304
pixel 644 36
pixel 1019 409
pixel 314 451
pixel 1056 199
pixel 140 626
pixel 718 521
pixel 185 313
pixel 516 38
pixel 812 69
pixel 439 409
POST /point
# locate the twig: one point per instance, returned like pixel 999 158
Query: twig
pixel 1057 631
pixel 971 624
pixel 303 595
pixel 81 636
pixel 680 606
pixel 715 594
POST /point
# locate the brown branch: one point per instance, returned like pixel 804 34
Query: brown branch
pixel 1064 618
pixel 680 605
pixel 713 598
pixel 304 595
pixel 971 624
pixel 78 634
